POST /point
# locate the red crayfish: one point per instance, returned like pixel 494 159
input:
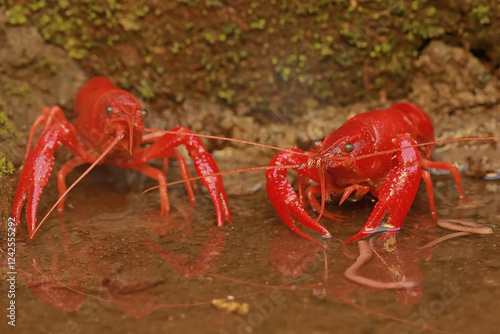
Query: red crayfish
pixel 377 152
pixel 108 128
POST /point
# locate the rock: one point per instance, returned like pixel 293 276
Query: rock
pixel 24 45
pixel 449 77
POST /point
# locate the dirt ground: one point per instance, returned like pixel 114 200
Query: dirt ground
pixel 113 248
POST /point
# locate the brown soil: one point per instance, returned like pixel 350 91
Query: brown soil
pixel 123 263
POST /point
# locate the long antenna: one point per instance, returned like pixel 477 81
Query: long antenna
pixel 226 139
pixel 224 173
pixel 424 144
pixel 298 166
pixel 96 162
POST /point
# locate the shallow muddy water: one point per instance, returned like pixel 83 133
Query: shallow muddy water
pixel 113 265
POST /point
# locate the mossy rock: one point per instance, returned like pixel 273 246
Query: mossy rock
pixel 6 167
pixel 239 52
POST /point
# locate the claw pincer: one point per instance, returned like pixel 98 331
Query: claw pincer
pixel 373 152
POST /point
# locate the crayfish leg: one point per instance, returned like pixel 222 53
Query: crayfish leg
pixel 186 175
pixel 358 188
pixel 49 117
pixel 160 177
pixel 311 193
pixel 203 162
pixel 430 192
pixel 301 183
pixel 449 167
pixel 61 178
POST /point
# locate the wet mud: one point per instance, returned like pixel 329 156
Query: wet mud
pixel 111 264
pixel 120 267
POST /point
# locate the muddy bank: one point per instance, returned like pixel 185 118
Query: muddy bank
pixel 133 264
pixel 451 84
pixel 259 55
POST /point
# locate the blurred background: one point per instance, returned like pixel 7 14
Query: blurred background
pixel 277 72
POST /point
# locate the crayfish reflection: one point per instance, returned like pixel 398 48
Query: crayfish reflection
pixel 127 274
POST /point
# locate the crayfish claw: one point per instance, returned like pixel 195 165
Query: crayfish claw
pixel 397 192
pixel 286 201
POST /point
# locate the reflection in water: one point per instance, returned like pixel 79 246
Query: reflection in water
pixel 136 262
pixel 123 284
pixel 366 251
pixel 176 226
pixel 61 286
pixel 290 255
pixel 378 262
pixel 209 253
pixel 381 264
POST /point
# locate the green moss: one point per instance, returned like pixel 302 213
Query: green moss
pixel 423 29
pixel 325 51
pixel 176 47
pixel 344 58
pixel 354 36
pixel 215 48
pixel 227 96
pixel 6 167
pixel 380 82
pixel 482 14
pixel 18 88
pixel 214 3
pixel 146 89
pixel 18 15
pixel 6 126
pixel 259 24
pixel 232 29
pixel 140 10
pixel 430 11
pixel 210 36
pixel 79 27
pixel 322 90
pixel 188 2
pixel 379 49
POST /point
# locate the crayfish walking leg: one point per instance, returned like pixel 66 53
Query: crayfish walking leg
pixel 203 163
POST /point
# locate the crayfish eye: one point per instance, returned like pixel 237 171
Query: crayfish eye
pixel 348 147
pixel 108 110
pixel 144 113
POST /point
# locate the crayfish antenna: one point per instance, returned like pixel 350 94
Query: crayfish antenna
pixel 225 139
pixel 119 137
pixel 394 150
pixel 225 173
